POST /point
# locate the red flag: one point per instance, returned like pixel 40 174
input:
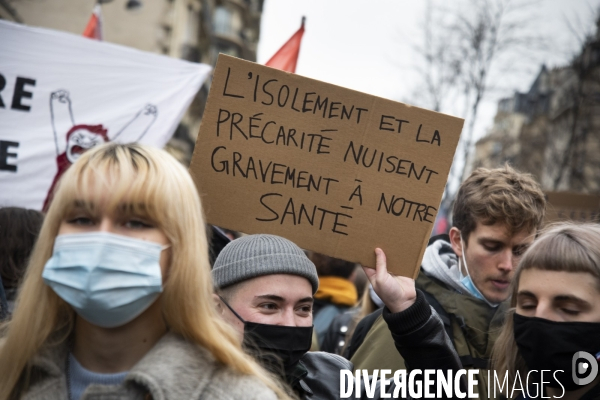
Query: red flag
pixel 287 56
pixel 93 30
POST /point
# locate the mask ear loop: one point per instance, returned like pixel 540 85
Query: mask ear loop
pixel 231 309
pixel 464 260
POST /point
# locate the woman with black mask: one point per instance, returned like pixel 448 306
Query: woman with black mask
pixel 550 344
pixel 264 288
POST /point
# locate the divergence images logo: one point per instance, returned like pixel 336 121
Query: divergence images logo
pixel 584 363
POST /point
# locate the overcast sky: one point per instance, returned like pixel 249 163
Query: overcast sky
pixel 369 45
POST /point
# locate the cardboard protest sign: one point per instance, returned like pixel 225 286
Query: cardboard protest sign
pixel 563 206
pixel 336 171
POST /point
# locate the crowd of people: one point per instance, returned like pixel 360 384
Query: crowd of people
pixel 121 291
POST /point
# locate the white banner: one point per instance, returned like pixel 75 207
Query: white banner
pixel 61 94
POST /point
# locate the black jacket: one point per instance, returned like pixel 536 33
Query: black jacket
pixel 335 336
pixel 419 337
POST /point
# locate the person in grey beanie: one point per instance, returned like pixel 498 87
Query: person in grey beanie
pixel 264 287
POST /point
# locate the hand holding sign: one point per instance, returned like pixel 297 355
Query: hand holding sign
pixel 397 292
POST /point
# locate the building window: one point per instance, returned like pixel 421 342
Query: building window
pixel 222 21
pixel 227 22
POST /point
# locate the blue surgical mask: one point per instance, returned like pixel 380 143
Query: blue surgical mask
pixel 467 282
pixel 108 279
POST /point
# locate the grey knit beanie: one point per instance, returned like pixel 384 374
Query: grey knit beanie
pixel 259 255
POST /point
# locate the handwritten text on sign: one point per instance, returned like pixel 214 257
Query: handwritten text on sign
pixel 334 170
pixel 564 206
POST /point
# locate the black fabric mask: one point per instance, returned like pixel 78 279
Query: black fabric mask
pixel 278 348
pixel 550 345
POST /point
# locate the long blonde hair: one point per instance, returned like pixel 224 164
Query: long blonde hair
pixel 365 306
pixel 152 183
pixel 566 247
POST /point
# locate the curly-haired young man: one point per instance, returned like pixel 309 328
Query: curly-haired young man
pixel 466 275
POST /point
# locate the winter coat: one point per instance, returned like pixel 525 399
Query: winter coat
pixel 471 323
pixel 335 336
pixel 418 335
pixel 173 369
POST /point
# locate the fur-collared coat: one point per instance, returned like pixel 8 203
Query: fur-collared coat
pixel 173 369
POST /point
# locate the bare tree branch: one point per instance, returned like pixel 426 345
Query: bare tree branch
pixel 461 57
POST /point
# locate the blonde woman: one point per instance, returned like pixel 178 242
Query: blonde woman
pixel 555 314
pixel 116 301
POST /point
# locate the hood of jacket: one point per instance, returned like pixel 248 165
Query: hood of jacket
pixel 441 263
pixel 440 276
pixel 479 323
